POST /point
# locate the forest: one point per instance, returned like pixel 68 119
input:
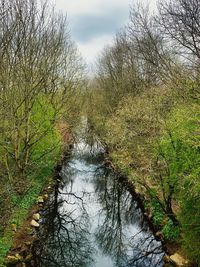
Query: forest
pixel 141 105
pixel 41 78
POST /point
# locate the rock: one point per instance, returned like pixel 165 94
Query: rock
pixel 34 223
pixel 178 260
pixel 150 216
pixel 36 216
pixel 166 258
pixel 19 257
pixel 42 221
pixel 137 191
pixel 30 231
pixel 45 196
pixel 40 200
pixel 28 258
pixel 28 243
pixel 12 260
pixel 159 235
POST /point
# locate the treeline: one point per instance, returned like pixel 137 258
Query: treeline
pixel 144 108
pixel 41 75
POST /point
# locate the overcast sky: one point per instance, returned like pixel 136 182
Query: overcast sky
pixel 93 23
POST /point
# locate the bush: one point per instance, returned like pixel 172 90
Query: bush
pixel 180 148
pixel 171 231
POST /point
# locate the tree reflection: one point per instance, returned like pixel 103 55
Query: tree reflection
pixel 95 213
pixel 121 218
pixel 110 236
pixel 65 239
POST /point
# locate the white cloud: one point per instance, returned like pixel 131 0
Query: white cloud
pixel 90 34
pixel 91 50
pixel 80 7
pixel 105 9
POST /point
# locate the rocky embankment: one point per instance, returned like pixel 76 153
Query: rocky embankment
pixel 20 252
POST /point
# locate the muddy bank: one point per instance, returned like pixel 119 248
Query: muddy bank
pixel 20 254
pixel 89 181
pixel 94 220
pixel 174 254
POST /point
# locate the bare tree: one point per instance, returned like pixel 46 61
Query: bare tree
pixel 155 58
pixel 181 23
pixel 40 71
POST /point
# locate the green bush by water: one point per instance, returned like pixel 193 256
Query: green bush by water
pixel 44 156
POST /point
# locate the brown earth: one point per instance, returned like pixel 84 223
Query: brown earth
pixel 26 234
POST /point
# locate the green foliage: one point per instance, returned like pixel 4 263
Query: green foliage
pixel 39 88
pixel 133 129
pixel 180 149
pixel 44 154
pixel 171 231
pixel 153 138
pixel 5 244
pixel 145 110
pixel 47 141
pixel 158 215
pixel 14 198
pixel 18 215
pixel 190 218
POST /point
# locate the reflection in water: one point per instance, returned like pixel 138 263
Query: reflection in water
pixel 92 220
pixel 65 238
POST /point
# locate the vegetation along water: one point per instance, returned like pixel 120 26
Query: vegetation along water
pixel 135 199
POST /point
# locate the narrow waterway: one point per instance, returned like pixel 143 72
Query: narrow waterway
pixel 93 220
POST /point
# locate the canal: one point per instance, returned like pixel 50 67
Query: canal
pixel 92 219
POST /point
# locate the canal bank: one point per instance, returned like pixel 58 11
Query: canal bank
pixel 22 228
pixel 93 220
pixel 24 235
pixel 91 217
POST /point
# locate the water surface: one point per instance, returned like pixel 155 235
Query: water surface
pixel 92 220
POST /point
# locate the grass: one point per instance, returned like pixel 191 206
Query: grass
pixel 23 205
pixel 44 155
pixel 18 216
